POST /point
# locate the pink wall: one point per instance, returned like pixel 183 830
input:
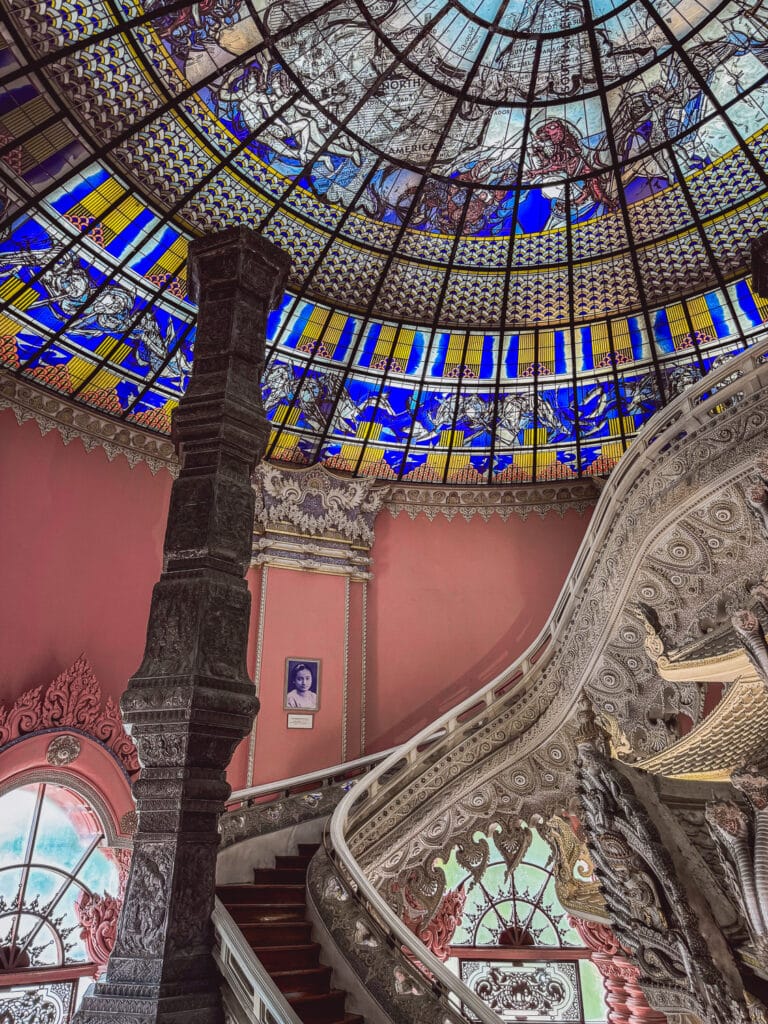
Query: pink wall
pixel 80 548
pixel 304 619
pixel 452 604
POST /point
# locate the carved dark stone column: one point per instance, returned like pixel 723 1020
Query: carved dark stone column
pixel 191 700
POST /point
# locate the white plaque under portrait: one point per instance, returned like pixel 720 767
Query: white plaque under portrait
pixel 300 721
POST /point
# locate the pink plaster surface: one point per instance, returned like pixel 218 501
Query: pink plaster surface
pixel 454 603
pixel 304 619
pixel 450 605
pixel 80 549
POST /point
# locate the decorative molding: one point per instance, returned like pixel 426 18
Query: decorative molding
pixel 257 668
pixel 363 665
pixel 398 985
pixel 577 888
pixel 97 917
pixel 260 819
pixel 63 750
pixel 73 700
pixel 485 502
pixel 53 412
pixel 437 931
pixel 345 671
pixel 313 519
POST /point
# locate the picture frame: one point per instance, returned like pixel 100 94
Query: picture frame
pixel 299 692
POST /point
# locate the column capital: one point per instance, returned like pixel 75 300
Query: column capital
pixel 238 257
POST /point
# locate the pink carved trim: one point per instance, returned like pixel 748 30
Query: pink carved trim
pixel 595 936
pixel 98 915
pixel 438 933
pixel 98 925
pixel 72 700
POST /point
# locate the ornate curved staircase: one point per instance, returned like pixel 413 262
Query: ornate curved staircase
pixel 271 913
pixel 500 753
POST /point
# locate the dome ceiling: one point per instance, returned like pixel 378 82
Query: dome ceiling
pixel 517 226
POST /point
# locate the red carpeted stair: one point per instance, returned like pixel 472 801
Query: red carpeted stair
pixel 271 914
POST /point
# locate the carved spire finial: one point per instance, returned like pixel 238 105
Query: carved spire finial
pixel 589 730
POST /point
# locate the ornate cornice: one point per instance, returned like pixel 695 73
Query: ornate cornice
pixel 29 401
pixel 73 700
pixel 51 412
pixel 313 519
pixel 485 502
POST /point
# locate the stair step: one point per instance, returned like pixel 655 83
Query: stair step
pixel 305 981
pixel 232 895
pixel 258 913
pixel 277 933
pixel 308 849
pixel 283 958
pixel 321 1008
pixel 279 876
pixel 300 860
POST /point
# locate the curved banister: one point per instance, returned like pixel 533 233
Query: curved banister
pixel 244 976
pixel 745 373
pixel 335 773
pixel 284 786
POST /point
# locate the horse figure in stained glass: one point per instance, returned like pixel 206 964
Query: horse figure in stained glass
pixel 306 393
pixel 153 349
pixel 349 411
pixel 472 413
pixel 515 413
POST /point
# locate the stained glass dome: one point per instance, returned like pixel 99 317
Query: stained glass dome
pixel 517 227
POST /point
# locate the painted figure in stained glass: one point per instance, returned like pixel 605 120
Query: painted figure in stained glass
pixel 85 305
pixel 557 154
pixel 473 414
pixel 197 26
pixel 349 411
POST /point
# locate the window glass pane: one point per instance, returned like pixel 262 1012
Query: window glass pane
pixel 67 827
pixel 17 808
pixel 592 992
pixel 520 915
pixel 61 835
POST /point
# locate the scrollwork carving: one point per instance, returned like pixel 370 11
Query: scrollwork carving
pixel 648 907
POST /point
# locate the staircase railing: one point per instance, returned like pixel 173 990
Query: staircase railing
pixel 299 783
pixel 708 398
pixel 250 995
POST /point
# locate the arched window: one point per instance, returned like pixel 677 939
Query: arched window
pixel 514 946
pixel 52 860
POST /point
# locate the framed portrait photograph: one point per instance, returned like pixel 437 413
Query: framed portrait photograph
pixel 302 684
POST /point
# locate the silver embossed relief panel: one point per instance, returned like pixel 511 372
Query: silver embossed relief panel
pixel 520 991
